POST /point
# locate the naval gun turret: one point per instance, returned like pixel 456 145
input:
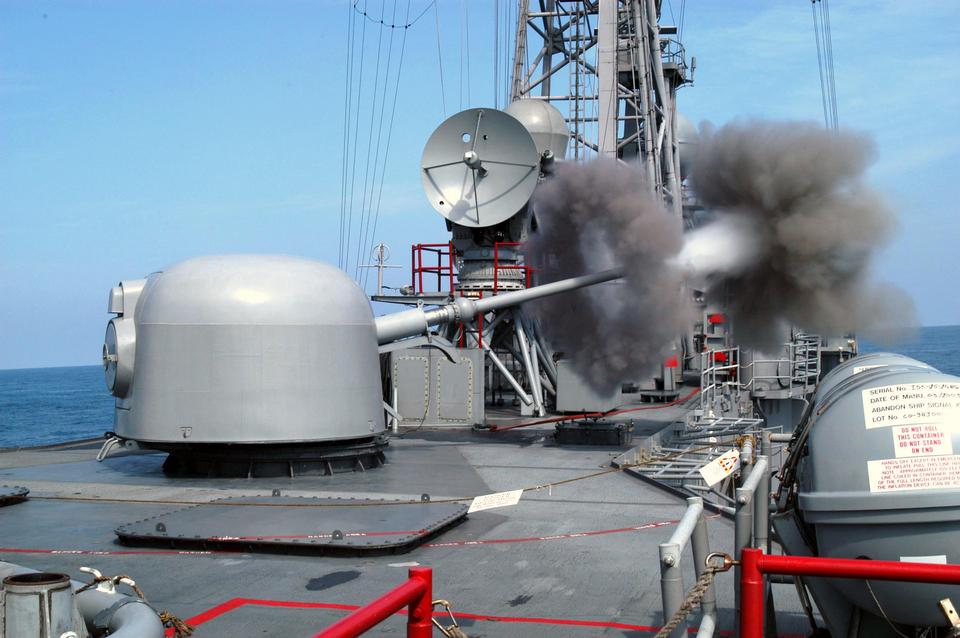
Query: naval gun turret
pixel 262 365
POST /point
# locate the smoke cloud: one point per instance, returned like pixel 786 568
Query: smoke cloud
pixel 791 228
pixel 596 216
pixel 794 230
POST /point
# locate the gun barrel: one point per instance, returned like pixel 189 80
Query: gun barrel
pixel 416 321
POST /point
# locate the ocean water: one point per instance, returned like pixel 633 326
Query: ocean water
pixel 48 405
pixel 939 346
pixel 40 406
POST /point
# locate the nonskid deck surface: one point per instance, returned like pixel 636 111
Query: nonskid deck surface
pixel 579 559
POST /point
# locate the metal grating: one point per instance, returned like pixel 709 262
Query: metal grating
pixel 292 524
pixel 676 465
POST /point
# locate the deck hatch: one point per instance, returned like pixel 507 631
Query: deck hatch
pixel 297 524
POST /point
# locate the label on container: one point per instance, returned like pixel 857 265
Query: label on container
pixel 933 439
pixel 938 559
pixel 490 501
pixel 859 369
pixel 911 404
pixel 721 467
pixel 914 473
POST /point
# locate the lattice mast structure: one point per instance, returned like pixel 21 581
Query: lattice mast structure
pixel 613 70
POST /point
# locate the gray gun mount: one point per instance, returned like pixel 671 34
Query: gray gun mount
pixel 417 321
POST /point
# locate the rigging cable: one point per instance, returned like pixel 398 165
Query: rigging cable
pixel 443 98
pixel 367 234
pixel 683 11
pixel 507 53
pixel 824 41
pixel 393 25
pixel 461 27
pixel 496 53
pixel 365 191
pixel 466 22
pixel 356 131
pixel 386 152
pixel 347 112
pixel 829 43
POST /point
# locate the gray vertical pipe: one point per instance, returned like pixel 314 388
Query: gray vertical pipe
pixel 766 446
pixel 701 549
pixel 671 586
pixel 761 505
pixel 532 378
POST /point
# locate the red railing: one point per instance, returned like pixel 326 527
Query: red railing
pixel 754 564
pixel 416 595
pixel 442 270
pixel 464 329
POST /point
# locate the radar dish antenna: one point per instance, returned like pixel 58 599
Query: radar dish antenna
pixel 480 167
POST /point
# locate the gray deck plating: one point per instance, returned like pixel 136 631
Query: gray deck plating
pixel 531 560
pixel 306 524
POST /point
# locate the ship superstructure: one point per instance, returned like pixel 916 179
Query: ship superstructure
pixel 280 457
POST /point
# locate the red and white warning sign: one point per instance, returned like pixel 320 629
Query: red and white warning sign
pixel 721 467
pixel 932 439
pixel 914 473
pixel 911 404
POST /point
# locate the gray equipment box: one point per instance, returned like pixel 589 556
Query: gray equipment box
pixel 595 433
pixel 435 392
pixel 575 395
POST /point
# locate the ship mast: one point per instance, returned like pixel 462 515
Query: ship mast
pixel 613 71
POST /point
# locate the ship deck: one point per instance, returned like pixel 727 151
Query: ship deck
pixel 578 559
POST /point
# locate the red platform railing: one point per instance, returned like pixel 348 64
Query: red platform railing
pixel 416 595
pixel 443 269
pixel 754 564
pixel 465 327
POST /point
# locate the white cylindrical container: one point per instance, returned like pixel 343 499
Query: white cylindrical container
pixel 40 605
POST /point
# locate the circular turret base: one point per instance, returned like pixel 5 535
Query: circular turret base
pixel 263 460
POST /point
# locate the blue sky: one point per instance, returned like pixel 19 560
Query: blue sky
pixel 136 134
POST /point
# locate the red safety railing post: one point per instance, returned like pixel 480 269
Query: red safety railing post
pixel 416 594
pixel 450 250
pixel 420 266
pixel 751 594
pixel 420 610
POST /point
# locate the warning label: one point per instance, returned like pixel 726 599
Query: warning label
pixel 914 473
pixel 911 404
pixel 922 440
pixel 721 467
pixel 491 501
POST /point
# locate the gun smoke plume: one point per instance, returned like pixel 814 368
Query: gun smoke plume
pixel 792 231
pixel 794 194
pixel 596 216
